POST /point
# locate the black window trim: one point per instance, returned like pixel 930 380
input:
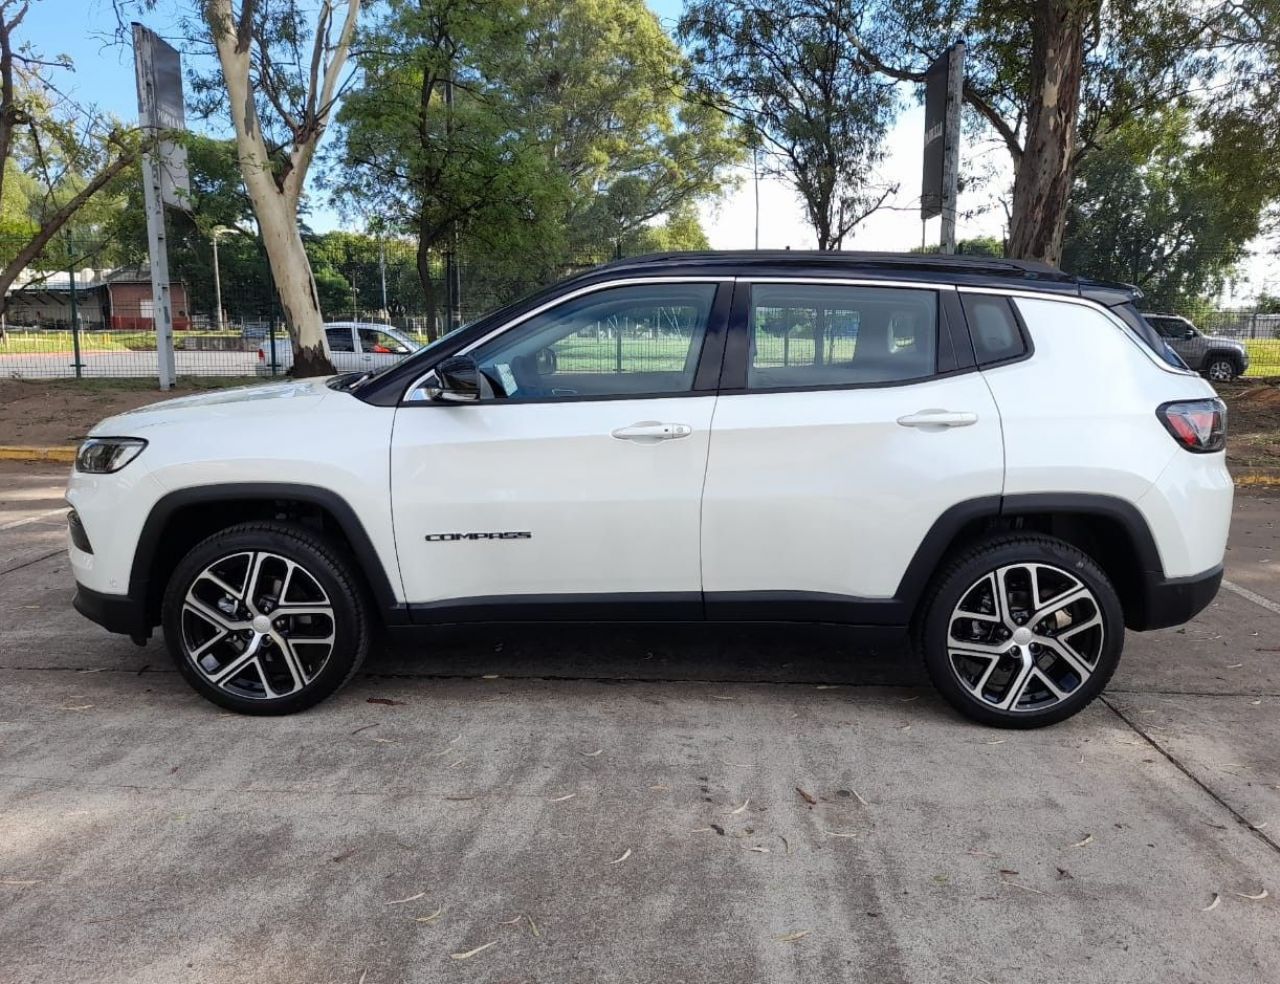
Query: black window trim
pixel 953 353
pixel 706 373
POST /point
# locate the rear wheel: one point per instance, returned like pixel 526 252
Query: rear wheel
pixel 1221 368
pixel 264 618
pixel 1021 632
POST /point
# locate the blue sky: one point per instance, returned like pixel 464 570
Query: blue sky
pixel 83 29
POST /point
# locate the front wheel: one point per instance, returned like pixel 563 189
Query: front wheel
pixel 1021 631
pixel 265 618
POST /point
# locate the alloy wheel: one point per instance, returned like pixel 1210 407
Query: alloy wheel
pixel 1222 371
pixel 257 625
pixel 1025 637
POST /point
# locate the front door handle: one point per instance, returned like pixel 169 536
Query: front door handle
pixel 938 419
pixel 652 431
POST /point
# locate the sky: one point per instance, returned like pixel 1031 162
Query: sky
pixel 103 76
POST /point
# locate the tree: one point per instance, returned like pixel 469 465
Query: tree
pixel 55 156
pixel 1168 208
pixel 1053 78
pixel 281 93
pixel 523 138
pixel 786 72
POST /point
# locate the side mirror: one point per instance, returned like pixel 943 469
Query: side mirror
pixel 1188 333
pixel 457 381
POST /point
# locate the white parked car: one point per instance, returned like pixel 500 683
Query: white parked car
pixel 354 346
pixel 1000 459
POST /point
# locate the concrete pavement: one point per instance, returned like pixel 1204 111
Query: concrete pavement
pixel 622 805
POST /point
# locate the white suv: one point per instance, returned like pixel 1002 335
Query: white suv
pixel 994 455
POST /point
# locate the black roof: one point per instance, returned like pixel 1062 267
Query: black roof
pixel 969 270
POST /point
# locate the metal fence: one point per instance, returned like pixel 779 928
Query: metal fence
pixel 86 326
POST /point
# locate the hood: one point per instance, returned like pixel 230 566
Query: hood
pixel 265 402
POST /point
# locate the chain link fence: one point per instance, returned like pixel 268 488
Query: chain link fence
pixel 94 320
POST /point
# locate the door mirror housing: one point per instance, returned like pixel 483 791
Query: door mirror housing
pixel 457 380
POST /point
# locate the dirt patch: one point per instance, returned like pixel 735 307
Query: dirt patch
pixel 40 413
pixel 1253 423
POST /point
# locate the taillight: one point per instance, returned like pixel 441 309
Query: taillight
pixel 1198 425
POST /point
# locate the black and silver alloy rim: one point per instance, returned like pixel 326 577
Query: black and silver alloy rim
pixel 257 625
pixel 1025 637
pixel 1221 370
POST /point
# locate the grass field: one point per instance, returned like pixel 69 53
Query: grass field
pixel 61 342
pixel 1264 357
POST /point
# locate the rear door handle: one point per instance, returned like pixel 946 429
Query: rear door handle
pixel 931 419
pixel 652 431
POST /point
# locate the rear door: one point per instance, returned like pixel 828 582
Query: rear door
pixel 572 488
pixel 342 347
pixel 849 422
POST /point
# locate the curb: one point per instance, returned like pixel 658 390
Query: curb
pixel 66 452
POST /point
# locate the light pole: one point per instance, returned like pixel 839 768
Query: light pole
pixel 217 277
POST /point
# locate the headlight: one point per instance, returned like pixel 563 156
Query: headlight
pixel 103 455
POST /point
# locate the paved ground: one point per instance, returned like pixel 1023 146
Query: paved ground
pixel 623 806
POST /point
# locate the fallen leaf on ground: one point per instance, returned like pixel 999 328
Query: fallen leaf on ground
pixel 592 755
pixel 1008 871
pixel 561 799
pixel 411 898
pixel 734 813
pixel 385 741
pixel 721 697
pixel 792 937
pixel 1253 898
pixel 345 854
pixel 858 796
pixel 1064 873
pixel 807 797
pixel 1217 901
pixel 490 676
pixel 838 833
pixel 512 922
pixel 384 700
pixel 533 926
pixel 1084 843
pixel 75 707
pixel 431 918
pixel 365 728
pixel 14 881
pixel 471 953
pixel 625 854
pixel 997 741
pixel 757 849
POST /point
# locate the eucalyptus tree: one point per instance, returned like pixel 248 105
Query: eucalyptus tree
pixel 787 73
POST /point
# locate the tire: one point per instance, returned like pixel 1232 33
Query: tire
pixel 962 635
pixel 279 589
pixel 1221 368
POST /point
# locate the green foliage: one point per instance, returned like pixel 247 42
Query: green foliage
pixel 978 246
pixel 541 134
pixel 1170 209
pixel 787 72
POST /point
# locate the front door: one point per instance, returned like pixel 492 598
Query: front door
pixel 839 440
pixel 342 347
pixel 572 487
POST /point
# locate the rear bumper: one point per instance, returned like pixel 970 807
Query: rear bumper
pixel 1174 600
pixel 115 613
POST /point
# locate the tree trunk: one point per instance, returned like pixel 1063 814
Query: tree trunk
pixel 424 277
pixel 1042 186
pixel 295 285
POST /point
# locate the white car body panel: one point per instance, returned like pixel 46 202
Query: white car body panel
pixel 1079 417
pixel 605 515
pixel 358 359
pixel 235 436
pixel 826 492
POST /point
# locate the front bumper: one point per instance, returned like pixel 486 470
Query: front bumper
pixel 1168 601
pixel 115 613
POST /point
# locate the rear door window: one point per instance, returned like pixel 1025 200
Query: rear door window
pixel 817 335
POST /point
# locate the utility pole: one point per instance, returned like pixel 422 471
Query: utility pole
pixel 453 274
pixel 755 173
pixel 217 276
pixel 382 269
pixel 951 151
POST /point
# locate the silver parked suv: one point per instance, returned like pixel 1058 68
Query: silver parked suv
pixel 1221 359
